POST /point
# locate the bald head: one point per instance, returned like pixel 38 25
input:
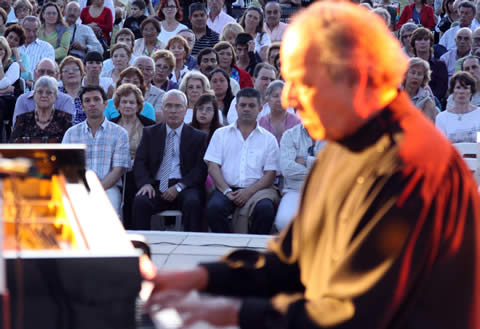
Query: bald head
pixel 273 12
pixel 46 67
pixel 463 40
pixel 72 12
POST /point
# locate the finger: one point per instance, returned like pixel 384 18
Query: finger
pixel 163 299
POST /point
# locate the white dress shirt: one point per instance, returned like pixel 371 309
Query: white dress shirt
pixel 36 51
pixel 243 161
pixel 450 59
pixel 448 38
pixel 219 22
pixel 175 164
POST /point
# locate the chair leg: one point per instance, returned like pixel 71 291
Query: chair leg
pixel 178 223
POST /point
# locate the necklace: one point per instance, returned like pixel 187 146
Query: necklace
pixel 37 118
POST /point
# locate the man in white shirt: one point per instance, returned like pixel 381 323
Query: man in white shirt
pixel 83 39
pixel 463 40
pixel 217 18
pixel 242 160
pixel 466 12
pixel 272 25
pixel 35 48
pixel 262 76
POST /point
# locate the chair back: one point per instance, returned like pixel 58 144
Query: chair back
pixel 468 151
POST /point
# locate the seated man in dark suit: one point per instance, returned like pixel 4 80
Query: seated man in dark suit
pixel 169 168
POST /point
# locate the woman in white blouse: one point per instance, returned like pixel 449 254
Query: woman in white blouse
pixel 9 74
pixel 252 23
pixel 170 15
pixel 461 122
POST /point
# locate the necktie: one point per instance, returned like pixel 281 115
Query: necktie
pixel 167 162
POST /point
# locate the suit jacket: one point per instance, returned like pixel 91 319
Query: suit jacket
pixel 149 156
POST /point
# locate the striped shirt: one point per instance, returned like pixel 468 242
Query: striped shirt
pixel 36 51
pixel 109 147
pixel 209 39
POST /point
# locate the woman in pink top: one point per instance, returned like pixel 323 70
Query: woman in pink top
pixel 278 120
pixel 99 18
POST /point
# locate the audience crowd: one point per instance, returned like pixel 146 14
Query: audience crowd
pixel 179 102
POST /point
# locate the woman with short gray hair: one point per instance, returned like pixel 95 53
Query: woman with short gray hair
pixel 44 124
pixel 278 120
pixel 405 36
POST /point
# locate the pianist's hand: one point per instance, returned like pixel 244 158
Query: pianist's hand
pixel 218 311
pixel 194 279
pixel 148 190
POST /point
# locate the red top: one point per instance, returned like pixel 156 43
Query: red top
pixel 245 78
pixel 104 20
pixel 427 16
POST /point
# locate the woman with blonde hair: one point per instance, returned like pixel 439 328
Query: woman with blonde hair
pixel 129 101
pixel 54 30
pixel 164 65
pixel 9 74
pixel 134 76
pixel 71 73
pixel 415 84
pixel 230 32
pixel 194 84
pixel 180 49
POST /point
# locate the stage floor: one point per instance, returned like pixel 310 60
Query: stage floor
pixel 182 250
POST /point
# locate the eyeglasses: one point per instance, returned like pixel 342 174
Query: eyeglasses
pixel 41 92
pixel 72 70
pixel 205 109
pixel 169 6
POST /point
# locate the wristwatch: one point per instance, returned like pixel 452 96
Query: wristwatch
pixel 178 188
pixel 228 190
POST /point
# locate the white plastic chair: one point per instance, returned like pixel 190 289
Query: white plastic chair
pixel 468 151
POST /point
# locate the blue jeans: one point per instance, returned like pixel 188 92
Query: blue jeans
pixel 219 207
